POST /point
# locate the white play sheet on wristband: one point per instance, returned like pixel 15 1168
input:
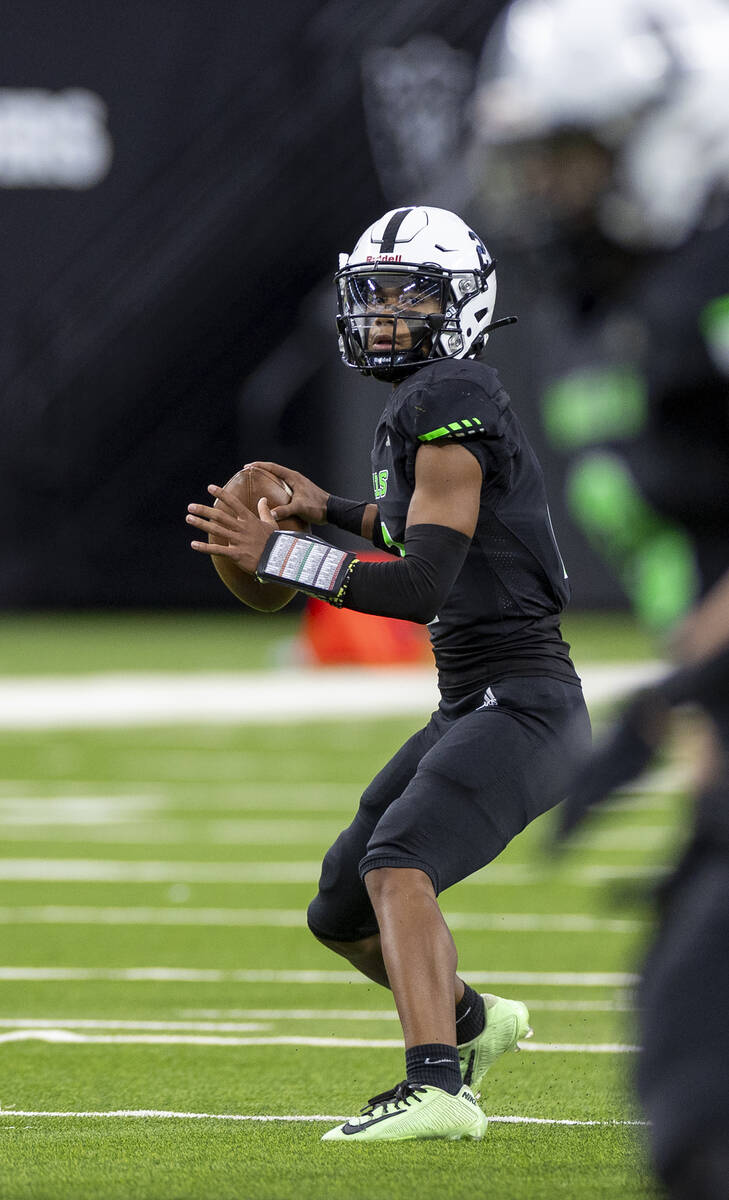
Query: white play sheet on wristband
pixel 304 561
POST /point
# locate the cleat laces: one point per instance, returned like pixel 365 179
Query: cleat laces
pixel 398 1097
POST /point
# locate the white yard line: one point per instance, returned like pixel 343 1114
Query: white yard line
pixel 77 914
pixel 122 870
pixel 162 1114
pixel 57 702
pixel 110 870
pixel 181 831
pixel 74 809
pixel 211 975
pixel 557 1121
pixel 284 1014
pixel 599 873
pixel 258 1020
pixel 627 837
pixel 86 915
pixel 673 777
pixel 149 1026
pixel 21 796
pixel 67 1036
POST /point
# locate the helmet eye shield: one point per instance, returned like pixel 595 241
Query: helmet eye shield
pixel 390 292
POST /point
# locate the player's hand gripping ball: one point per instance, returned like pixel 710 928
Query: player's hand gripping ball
pixel 249 486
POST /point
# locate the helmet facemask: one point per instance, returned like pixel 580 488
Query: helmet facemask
pixel 395 319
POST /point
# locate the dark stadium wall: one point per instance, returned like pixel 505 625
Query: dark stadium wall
pixel 175 186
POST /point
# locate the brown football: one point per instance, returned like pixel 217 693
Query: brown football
pixel 250 485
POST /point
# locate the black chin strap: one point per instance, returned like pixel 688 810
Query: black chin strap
pixel 499 324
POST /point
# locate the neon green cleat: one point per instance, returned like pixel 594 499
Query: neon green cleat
pixel 506 1022
pixel 412 1111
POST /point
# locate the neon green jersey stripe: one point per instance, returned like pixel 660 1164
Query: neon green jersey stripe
pixel 465 425
pixel 434 433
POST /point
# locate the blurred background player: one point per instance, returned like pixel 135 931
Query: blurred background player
pixel 604 142
pixel 461 504
pixel 682 1072
pixel 603 161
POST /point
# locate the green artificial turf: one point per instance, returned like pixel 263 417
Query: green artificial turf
pixel 150 1159
pixel 227 798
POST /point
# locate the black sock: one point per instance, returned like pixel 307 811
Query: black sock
pixel 436 1064
pixel 470 1016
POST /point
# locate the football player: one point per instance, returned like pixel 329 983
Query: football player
pixel 461 506
pixel 601 155
pixel 687 969
pixel 606 130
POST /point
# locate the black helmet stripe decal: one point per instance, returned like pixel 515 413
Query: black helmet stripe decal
pixel 392 229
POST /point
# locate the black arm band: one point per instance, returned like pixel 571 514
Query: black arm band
pixel 346 514
pixel 349 515
pixel 414 587
pixel 301 561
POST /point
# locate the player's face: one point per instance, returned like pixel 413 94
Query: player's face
pixel 391 305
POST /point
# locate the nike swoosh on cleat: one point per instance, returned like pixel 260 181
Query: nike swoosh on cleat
pixel 347 1128
pixel 469 1069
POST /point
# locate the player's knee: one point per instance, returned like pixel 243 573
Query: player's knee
pixel 334 927
pixel 354 948
pixel 317 919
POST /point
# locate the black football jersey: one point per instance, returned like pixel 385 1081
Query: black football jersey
pixel 502 615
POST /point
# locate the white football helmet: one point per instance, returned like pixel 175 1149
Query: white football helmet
pixel 648 80
pixel 419 285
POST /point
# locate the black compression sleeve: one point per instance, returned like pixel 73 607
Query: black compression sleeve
pixel 414 587
pixel 346 514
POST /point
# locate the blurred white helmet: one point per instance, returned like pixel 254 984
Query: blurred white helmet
pixel 648 80
pixel 419 285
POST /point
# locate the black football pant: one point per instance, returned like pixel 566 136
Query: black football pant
pixel 455 794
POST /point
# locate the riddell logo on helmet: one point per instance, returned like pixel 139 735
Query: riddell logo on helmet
pixel 384 258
